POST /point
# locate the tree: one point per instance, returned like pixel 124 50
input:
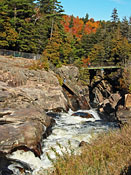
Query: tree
pixel 129 32
pixel 88 42
pixel 120 50
pixel 52 9
pixel 52 50
pixel 8 35
pixel 114 19
pixel 114 16
pixel 124 27
pixel 86 18
pixel 71 23
pixel 18 21
pixel 97 54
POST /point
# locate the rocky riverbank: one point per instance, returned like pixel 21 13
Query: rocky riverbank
pixel 26 95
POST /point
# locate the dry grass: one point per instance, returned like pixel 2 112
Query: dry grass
pixel 109 154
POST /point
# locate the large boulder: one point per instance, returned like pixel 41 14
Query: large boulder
pixel 109 107
pixel 124 116
pixel 83 115
pixel 23 129
pixel 39 88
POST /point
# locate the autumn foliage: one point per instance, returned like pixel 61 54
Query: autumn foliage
pixel 77 27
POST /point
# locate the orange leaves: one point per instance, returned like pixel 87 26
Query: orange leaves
pixel 91 27
pixel 78 27
pixel 86 61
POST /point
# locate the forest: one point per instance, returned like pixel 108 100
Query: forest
pixel 42 27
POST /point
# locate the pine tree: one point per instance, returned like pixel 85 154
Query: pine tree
pixel 8 35
pixel 71 23
pixel 114 19
pixel 52 10
pixel 52 50
pixel 129 33
pixel 124 27
pixel 114 16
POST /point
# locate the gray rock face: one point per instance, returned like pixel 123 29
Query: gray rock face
pixel 75 93
pixel 70 73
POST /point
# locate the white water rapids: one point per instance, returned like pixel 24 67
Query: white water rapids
pixel 68 127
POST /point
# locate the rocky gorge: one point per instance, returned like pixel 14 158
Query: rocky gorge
pixel 26 95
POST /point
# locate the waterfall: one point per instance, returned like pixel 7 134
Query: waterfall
pixel 68 127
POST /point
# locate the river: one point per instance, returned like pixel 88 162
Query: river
pixel 67 128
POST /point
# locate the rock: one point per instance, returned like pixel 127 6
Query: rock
pixel 124 116
pixel 15 77
pixel 83 143
pixel 70 73
pixel 5 163
pixel 21 87
pixel 83 114
pixel 47 96
pixel 23 129
pixel 109 105
pixel 128 100
pixel 75 93
pixel 4 96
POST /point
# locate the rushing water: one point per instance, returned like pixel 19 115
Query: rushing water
pixel 68 127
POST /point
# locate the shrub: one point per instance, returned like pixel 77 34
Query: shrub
pixel 40 64
pixel 60 79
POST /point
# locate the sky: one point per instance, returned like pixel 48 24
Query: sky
pixel 97 9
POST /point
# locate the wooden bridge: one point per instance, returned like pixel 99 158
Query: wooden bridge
pixel 105 67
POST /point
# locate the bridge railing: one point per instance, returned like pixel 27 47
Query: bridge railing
pixel 104 63
pixel 20 54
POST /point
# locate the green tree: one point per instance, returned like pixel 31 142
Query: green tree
pixel 86 18
pixel 97 54
pixel 124 27
pixel 88 41
pixel 8 35
pixel 129 33
pixel 71 23
pixel 114 19
pixel 52 50
pixel 53 11
pixel 66 49
pixel 114 16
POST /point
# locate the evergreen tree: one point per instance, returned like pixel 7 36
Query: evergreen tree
pixel 124 27
pixel 114 16
pixel 97 54
pixel 71 23
pixel 8 35
pixel 114 19
pixel 86 18
pixel 52 50
pixel 129 33
pixel 52 10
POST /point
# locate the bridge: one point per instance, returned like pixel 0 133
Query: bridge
pixel 104 67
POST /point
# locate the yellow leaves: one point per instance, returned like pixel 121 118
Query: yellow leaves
pixel 12 35
pixel 2 34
